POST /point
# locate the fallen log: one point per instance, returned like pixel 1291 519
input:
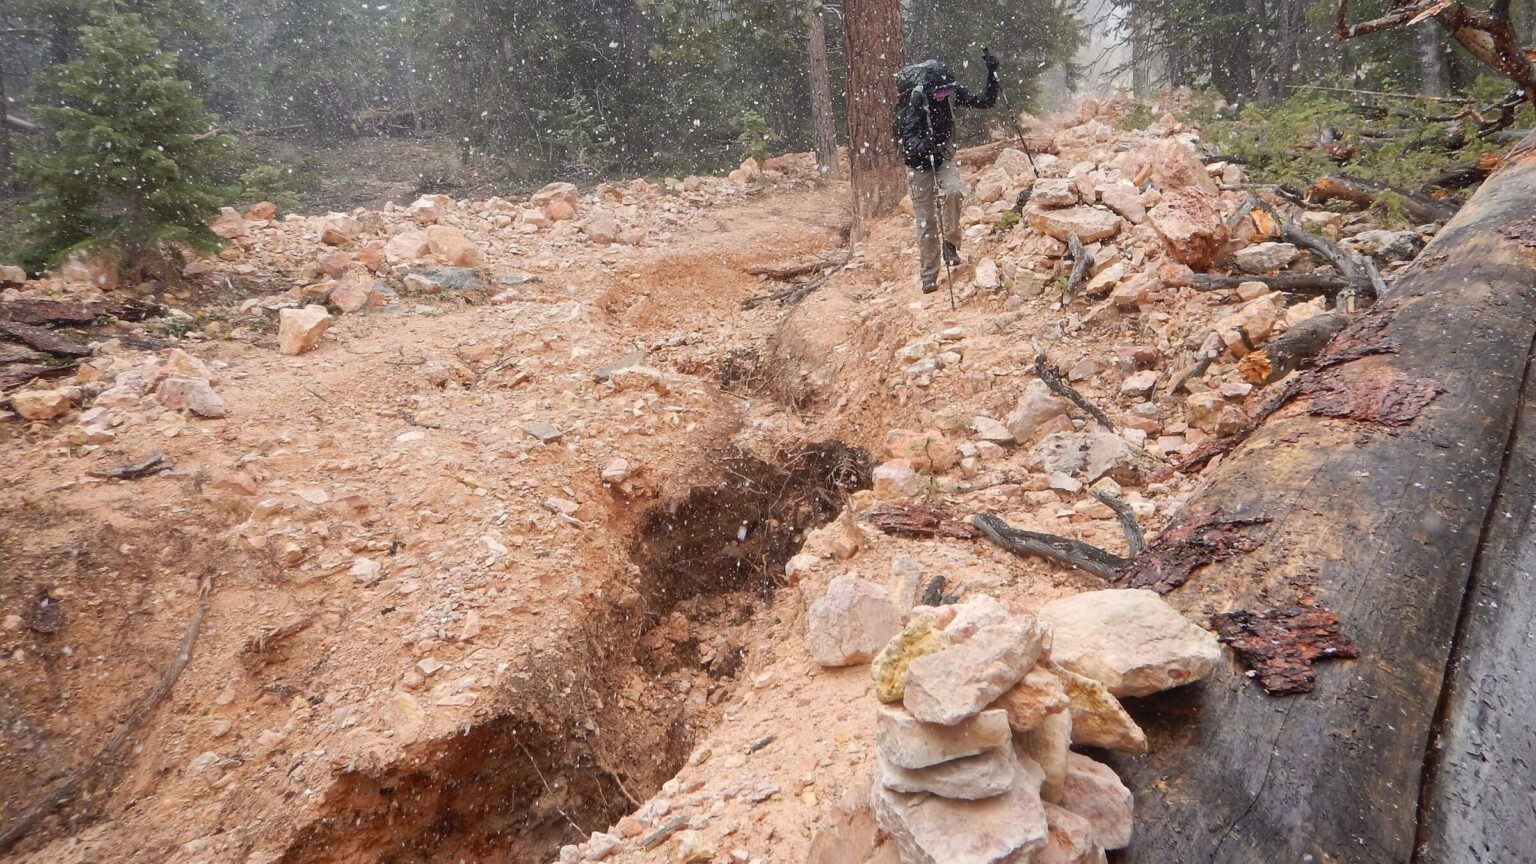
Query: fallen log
pixel 1308 284
pixel 986 154
pixel 1366 193
pixel 1293 351
pixel 42 339
pixel 1370 490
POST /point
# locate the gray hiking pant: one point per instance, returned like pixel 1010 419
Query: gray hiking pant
pixel 942 189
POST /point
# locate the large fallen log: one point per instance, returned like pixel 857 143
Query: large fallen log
pixel 1366 193
pixel 1366 495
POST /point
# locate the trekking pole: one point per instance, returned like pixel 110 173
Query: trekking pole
pixel 938 209
pixel 1018 130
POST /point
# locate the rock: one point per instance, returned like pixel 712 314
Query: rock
pixel 1387 245
pixel 10 274
pixel 1131 641
pixel 355 292
pixel 988 429
pixel 601 228
pixel 1251 290
pixel 559 191
pixel 84 268
pixel 1191 225
pixel 950 685
pixel 895 479
pixel 1004 829
pixel 905 742
pixel 1172 163
pixel 601 845
pixel 410 245
pixel 918 638
pixel 1092 454
pixel 229 224
pixel 261 211
pixel 1048 745
pixel 1139 385
pixel 546 433
pixel 1090 224
pixel 1125 199
pixel 426 210
pixel 453 246
pixel 1201 411
pixel 439 279
pixel 616 471
pixel 693 848
pixel 987 276
pixel 338 229
pixel 968 778
pixel 1070 840
pixel 1053 192
pixel 42 404
pixel 1266 257
pixel 559 211
pixel 181 393
pixel 1098 718
pixel 851 622
pixel 1255 319
pixel 299 330
pixel 1037 406
pixel 1105 279
pixel 927 451
pixel 970 617
pixel 1093 792
pixel 1038 695
pixel 1016 163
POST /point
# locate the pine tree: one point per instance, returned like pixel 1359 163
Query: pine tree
pixel 129 172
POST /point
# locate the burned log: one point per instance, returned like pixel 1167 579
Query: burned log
pixel 1365 193
pixel 1384 525
pixel 1307 284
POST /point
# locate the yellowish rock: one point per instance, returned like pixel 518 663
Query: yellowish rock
pixel 1098 718
pixel 921 636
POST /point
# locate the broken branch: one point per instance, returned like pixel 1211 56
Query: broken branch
pixel 1063 550
pixel 1052 378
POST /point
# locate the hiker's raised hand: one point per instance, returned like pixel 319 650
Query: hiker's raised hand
pixel 989 59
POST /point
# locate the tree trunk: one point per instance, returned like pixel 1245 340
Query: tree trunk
pixel 872 44
pixel 6 189
pixel 1433 76
pixel 823 124
pixel 1377 494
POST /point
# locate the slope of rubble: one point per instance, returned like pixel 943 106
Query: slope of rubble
pixel 511 522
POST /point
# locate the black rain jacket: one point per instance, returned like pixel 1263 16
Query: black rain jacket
pixel 925 125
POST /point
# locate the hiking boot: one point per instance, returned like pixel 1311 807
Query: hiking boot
pixel 951 254
pixel 930 287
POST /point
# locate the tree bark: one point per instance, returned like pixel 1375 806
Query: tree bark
pixel 823 124
pixel 1376 494
pixel 872 44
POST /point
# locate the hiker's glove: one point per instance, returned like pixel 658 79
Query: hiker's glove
pixel 918 99
pixel 991 61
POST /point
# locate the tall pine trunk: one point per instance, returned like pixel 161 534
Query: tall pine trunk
pixel 5 137
pixel 872 44
pixel 1433 78
pixel 823 124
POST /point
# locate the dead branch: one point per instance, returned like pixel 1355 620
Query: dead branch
pixel 1081 261
pixel 791 271
pixel 1063 550
pixel 260 649
pixel 799 291
pixel 1210 349
pixel 1489 36
pixel 1135 540
pixel 1052 378
pixel 1293 351
pixel 29 819
pixel 1307 284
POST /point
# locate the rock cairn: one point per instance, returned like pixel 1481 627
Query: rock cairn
pixel 981 705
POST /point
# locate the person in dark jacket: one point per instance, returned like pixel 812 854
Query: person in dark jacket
pixel 925 127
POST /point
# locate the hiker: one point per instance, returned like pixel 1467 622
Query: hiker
pixel 925 126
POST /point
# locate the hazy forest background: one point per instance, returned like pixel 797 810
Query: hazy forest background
pixel 510 94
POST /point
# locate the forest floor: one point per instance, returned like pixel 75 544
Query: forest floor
pixel 472 596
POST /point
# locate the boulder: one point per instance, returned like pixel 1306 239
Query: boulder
pixel 261 211
pixel 42 404
pixel 1004 829
pixel 951 685
pixel 1129 640
pixel 354 292
pixel 970 617
pixel 920 637
pixel 895 479
pixel 1266 257
pixel 1191 225
pixel 1098 718
pixel 299 330
pixel 1387 245
pixel 229 224
pixel 1171 164
pixel 987 275
pixel 457 249
pixel 1016 164
pixel 851 622
pixel 1090 224
pixel 1093 792
pixel 905 742
pixel 181 393
pixel 565 192
pixel 10 274
pixel 1139 385
pixel 1053 192
pixel 1202 410
pixel 1038 695
pixel 990 429
pixel 1037 406
pixel 1124 199
pixel 1070 840
pixel 409 245
pixel 338 229
pixel 967 779
pixel 1092 454
pixel 601 228
pixel 425 210
pixel 926 451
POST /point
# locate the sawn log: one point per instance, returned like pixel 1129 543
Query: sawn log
pixel 1371 494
